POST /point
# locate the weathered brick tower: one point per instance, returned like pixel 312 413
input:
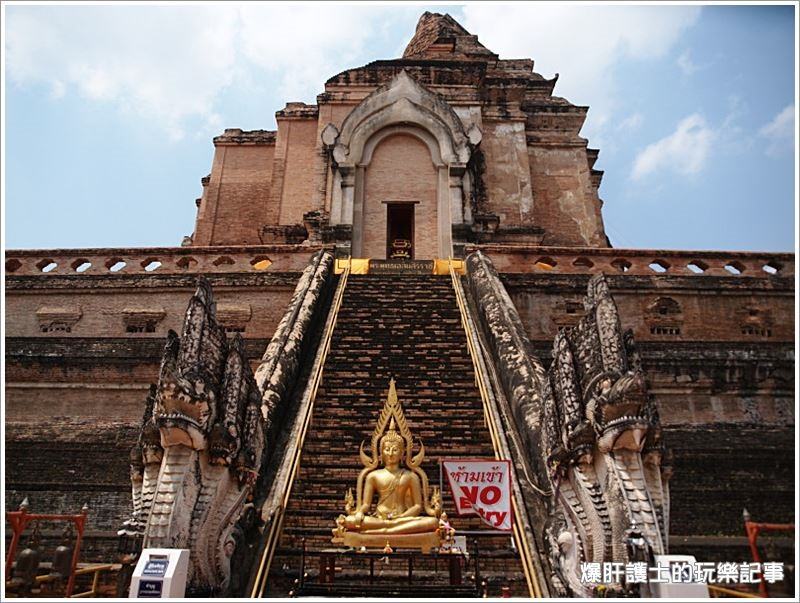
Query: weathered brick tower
pixel 446 153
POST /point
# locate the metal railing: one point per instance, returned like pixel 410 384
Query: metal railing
pixel 292 463
pixel 500 451
pixel 96 571
pixel 719 591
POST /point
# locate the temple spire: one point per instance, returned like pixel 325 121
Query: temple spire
pixel 440 36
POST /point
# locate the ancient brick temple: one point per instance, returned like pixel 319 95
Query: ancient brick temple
pixel 465 183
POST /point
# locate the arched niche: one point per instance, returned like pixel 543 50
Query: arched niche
pixel 400 200
pixel 402 106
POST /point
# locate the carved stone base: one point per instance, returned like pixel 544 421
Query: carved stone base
pixel 425 542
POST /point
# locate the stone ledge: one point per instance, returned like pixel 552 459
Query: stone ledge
pixel 237 136
pixel 146 281
pixel 59 349
pixel 550 283
pixel 728 541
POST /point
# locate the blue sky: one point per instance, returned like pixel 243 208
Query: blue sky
pixel 110 110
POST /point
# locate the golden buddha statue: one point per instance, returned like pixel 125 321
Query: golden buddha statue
pixel 403 515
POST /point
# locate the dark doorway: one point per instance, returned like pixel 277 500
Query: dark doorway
pixel 399 231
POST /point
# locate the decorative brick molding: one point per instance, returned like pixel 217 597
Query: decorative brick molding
pixel 664 317
pixel 509 258
pixel 292 234
pixel 142 320
pixel 159 260
pixel 234 316
pixel 58 319
pixel 237 136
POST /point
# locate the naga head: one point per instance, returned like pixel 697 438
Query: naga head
pixel 185 407
pixel 598 419
pixel 653 451
pixel 236 439
pixel 248 460
pixel 223 444
pixel 191 374
pixel 620 411
pixel 152 452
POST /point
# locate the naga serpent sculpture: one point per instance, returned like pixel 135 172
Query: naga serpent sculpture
pixel 590 432
pixel 207 432
pixel 602 446
pixel 200 448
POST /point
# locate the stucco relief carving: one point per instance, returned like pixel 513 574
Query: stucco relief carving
pixel 603 449
pixel 402 107
pixel 403 101
pixel 208 428
pixel 592 431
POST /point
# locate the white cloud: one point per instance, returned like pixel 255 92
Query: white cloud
pixel 585 43
pixel 57 89
pixel 686 64
pixel 732 137
pixel 304 45
pixel 170 64
pixel 780 132
pixel 166 63
pixel 631 123
pixel 685 151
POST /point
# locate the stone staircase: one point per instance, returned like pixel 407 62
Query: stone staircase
pixel 408 327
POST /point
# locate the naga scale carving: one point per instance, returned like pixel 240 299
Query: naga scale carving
pixel 602 446
pixel 201 447
pixel 590 430
pixel 196 469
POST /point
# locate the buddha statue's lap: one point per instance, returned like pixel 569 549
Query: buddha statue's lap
pixel 398 508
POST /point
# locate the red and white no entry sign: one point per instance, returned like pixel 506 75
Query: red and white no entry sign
pixel 482 487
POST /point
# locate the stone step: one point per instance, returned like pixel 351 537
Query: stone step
pixel 409 329
pixel 365 379
pixel 357 398
pixel 434 449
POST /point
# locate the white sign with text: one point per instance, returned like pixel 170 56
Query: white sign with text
pixel 482 487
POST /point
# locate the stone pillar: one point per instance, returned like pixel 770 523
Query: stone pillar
pixel 337 206
pixel 457 193
pixel 355 200
pixel 466 201
pixel 443 214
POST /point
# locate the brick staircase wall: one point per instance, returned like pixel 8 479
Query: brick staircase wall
pixel 406 327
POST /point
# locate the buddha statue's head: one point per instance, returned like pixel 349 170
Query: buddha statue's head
pixel 392 446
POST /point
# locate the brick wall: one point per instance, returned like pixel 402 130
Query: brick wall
pixel 235 203
pixel 714 480
pixel 60 465
pixel 67 442
pixel 565 203
pixel 243 195
pixel 104 302
pixel 401 170
pixel 299 179
pixel 507 177
pixel 707 308
pixel 74 400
